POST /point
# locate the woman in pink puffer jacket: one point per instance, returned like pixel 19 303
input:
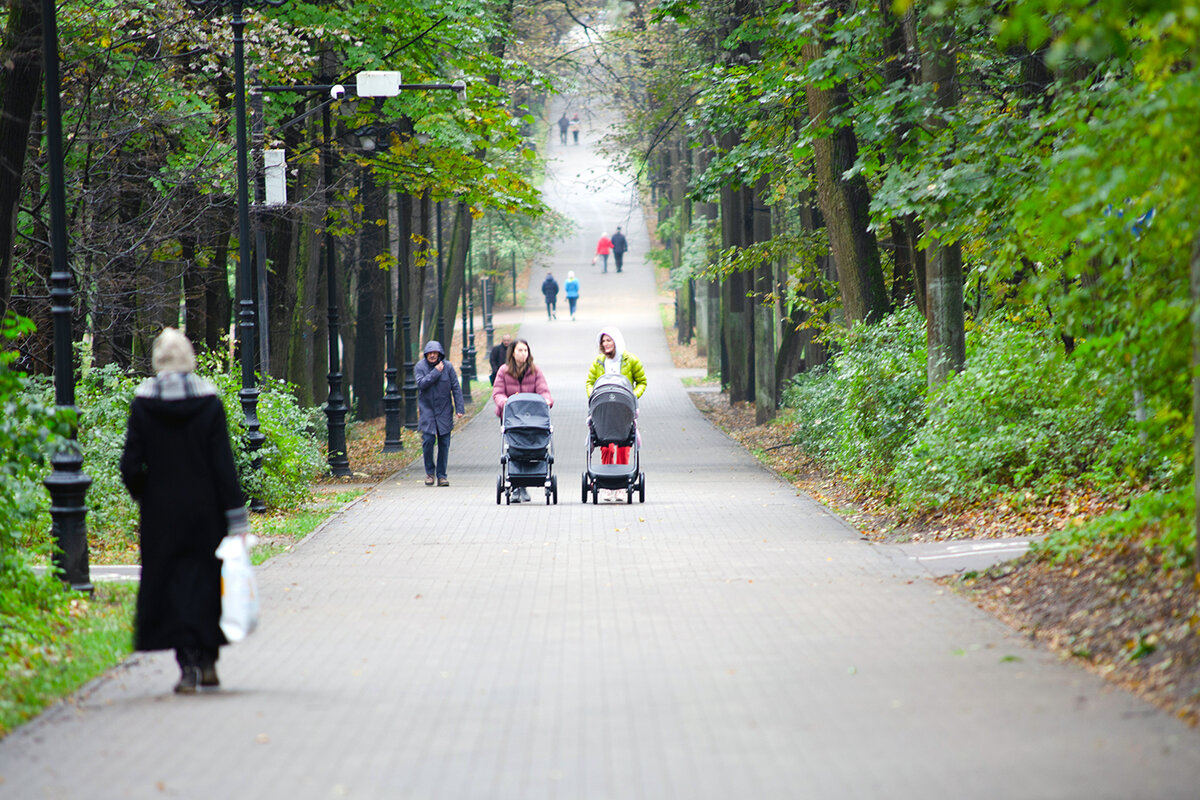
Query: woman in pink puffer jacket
pixel 519 374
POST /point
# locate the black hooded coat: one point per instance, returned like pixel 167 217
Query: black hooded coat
pixel 178 465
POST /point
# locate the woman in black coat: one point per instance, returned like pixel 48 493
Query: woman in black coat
pixel 178 465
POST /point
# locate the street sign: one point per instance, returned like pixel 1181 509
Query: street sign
pixel 378 83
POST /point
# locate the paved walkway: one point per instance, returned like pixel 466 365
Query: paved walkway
pixel 727 639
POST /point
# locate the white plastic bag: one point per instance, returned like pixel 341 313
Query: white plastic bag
pixel 239 591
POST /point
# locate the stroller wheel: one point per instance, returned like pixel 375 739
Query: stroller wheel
pixel 641 489
pixel 595 495
pixel 499 488
pixel 554 489
pixel 584 493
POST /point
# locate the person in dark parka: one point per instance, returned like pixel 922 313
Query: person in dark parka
pixel 178 465
pixel 550 292
pixel 439 398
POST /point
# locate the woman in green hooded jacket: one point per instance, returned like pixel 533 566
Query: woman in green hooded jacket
pixel 614 359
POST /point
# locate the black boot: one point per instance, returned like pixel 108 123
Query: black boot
pixel 208 671
pixel 189 677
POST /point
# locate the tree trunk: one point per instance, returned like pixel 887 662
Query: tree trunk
pixel 456 269
pixel 372 284
pixel 765 323
pixel 844 202
pixel 218 304
pixel 901 64
pixel 20 90
pixel 307 317
pixel 944 321
pixel 738 367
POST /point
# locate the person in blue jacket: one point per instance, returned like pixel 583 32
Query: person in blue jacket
pixel 571 287
pixel 439 399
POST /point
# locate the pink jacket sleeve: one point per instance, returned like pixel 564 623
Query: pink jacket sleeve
pixel 541 387
pixel 499 392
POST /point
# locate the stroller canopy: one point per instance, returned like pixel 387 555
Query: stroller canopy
pixel 612 409
pixel 526 427
pixel 526 410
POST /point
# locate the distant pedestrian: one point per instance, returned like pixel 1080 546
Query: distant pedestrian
pixel 550 292
pixel 178 465
pixel 563 124
pixel 439 398
pixel 519 374
pixel 603 248
pixel 498 355
pixel 571 287
pixel 574 128
pixel 619 245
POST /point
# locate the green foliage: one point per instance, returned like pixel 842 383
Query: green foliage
pixel 34 608
pixel 30 426
pixel 291 455
pixel 53 641
pixel 1162 520
pixel 864 410
pixel 1022 414
pixel 103 399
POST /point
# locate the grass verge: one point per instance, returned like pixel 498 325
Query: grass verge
pixel 86 637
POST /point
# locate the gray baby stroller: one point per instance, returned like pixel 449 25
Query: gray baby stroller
pixel 526 447
pixel 612 419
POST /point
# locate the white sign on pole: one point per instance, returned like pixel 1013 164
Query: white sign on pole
pixel 275 177
pixel 379 83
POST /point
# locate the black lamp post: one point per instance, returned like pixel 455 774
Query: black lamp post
pixel 335 406
pixel 392 443
pixel 410 380
pixel 468 349
pixel 247 322
pixel 466 378
pixel 67 482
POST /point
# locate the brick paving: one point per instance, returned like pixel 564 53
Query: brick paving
pixel 728 638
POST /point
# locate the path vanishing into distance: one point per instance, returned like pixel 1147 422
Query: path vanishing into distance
pixel 728 638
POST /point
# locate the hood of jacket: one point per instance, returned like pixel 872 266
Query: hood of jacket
pixel 434 346
pixel 175 395
pixel 617 338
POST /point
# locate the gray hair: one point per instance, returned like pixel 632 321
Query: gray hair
pixel 173 352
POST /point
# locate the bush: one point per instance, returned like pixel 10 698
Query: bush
pixel 291 455
pixel 864 408
pixel 30 426
pixel 32 606
pixel 1021 414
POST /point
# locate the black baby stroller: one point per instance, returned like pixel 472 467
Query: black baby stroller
pixel 526 447
pixel 612 419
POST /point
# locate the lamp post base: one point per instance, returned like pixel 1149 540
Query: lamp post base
pixel 68 486
pixel 335 412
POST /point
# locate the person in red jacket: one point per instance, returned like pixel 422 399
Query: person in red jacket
pixel 519 374
pixel 603 248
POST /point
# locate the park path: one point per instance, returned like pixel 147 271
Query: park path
pixel 726 639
